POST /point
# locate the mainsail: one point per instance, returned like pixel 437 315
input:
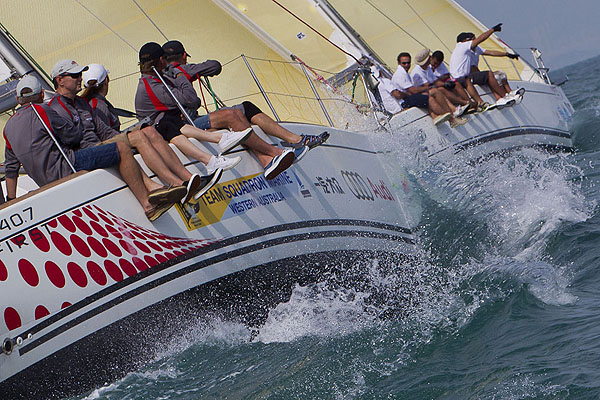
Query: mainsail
pixel 101 31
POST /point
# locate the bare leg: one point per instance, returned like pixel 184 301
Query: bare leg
pixel 167 154
pixel 454 97
pixel 506 86
pixel 497 90
pixel 472 91
pixel 149 183
pixel 272 128
pixel 189 149
pixel 237 121
pixel 200 134
pixel 131 174
pixel 438 105
pixel 152 158
pixel 460 91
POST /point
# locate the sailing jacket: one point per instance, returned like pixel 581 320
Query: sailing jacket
pixel 105 111
pixel 194 71
pixel 28 143
pixel 78 111
pixel 152 98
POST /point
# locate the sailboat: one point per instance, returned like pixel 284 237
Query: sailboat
pixel 341 37
pixel 89 287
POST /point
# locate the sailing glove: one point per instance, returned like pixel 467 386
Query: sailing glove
pixel 513 56
pixel 497 28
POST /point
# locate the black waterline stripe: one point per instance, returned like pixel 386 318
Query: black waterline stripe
pixel 518 132
pixel 202 264
pixel 471 143
pixel 212 247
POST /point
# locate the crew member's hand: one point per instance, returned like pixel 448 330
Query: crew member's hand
pixel 513 56
pixel 497 28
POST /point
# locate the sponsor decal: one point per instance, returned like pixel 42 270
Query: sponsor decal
pixel 239 196
pixel 366 189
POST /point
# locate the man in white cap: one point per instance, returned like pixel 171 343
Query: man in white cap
pixel 67 77
pixel 439 107
pixel 28 143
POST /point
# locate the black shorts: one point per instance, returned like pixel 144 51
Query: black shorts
pixel 416 100
pixel 480 78
pixel 170 125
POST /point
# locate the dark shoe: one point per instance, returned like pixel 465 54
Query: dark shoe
pixel 207 182
pixel 155 212
pixel 171 194
pixel 308 140
pixel 279 164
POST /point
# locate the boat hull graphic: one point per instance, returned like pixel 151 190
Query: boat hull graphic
pixel 89 286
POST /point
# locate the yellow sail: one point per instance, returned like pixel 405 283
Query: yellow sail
pixel 110 33
pixel 393 26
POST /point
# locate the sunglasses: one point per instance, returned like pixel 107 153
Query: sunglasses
pixel 74 76
pixel 405 62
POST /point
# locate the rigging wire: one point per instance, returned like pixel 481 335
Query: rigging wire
pixel 428 27
pixel 106 25
pixel 150 19
pixel 317 32
pixel 395 23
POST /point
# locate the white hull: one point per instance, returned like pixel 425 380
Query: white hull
pixel 541 119
pixel 87 242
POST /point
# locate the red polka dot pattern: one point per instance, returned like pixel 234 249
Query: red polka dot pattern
pixel 41 312
pixel 3 272
pixel 80 246
pixel 77 274
pixel 12 318
pixel 55 274
pixel 80 252
pixel 28 272
pixel 39 240
pixel 96 273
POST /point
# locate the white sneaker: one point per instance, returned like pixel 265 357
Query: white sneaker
pixel 225 163
pixel 505 101
pixel 460 110
pixel 230 139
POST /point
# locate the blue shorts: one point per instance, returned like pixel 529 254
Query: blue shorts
pixel 202 122
pixel 101 156
pixel 416 100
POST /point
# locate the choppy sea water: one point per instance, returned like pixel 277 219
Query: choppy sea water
pixel 504 301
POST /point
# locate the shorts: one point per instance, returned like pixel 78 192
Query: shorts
pixel 462 81
pixel 202 122
pixel 169 126
pixel 248 108
pixel 480 78
pixel 96 157
pixel 122 137
pixel 416 100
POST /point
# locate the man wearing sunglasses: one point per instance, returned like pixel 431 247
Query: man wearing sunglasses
pixel 439 107
pixel 67 77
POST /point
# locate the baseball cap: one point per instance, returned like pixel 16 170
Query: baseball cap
pixel 150 51
pixel 173 47
pixel 29 82
pixel 422 57
pixel 96 72
pixel 66 66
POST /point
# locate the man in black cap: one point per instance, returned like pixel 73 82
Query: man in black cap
pixel 177 58
pixel 155 101
pixel 464 57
